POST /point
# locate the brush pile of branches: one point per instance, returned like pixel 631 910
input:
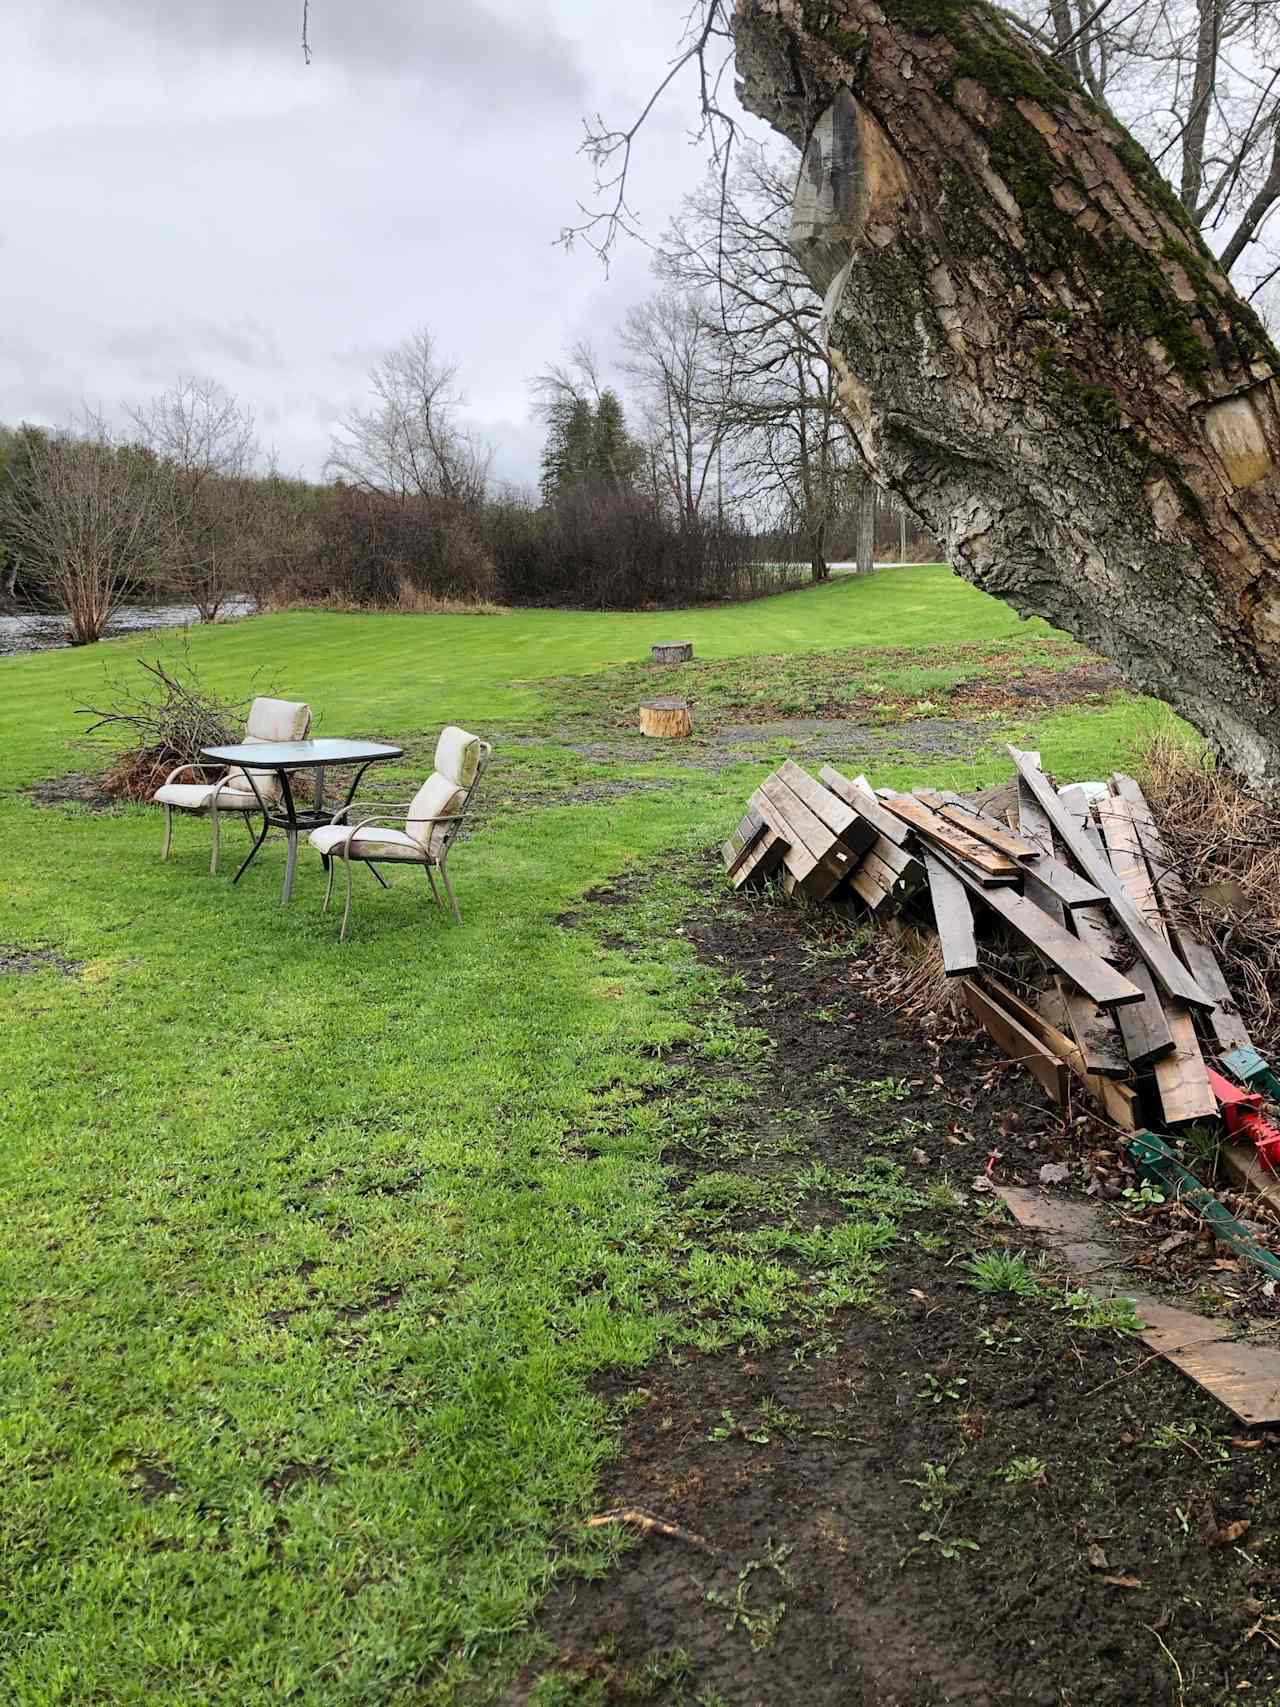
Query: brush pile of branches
pixel 165 722
pixel 1227 844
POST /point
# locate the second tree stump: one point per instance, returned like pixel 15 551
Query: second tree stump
pixel 671 651
pixel 665 717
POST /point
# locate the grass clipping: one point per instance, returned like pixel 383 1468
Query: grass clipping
pixel 1226 845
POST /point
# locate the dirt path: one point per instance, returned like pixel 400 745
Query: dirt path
pixel 947 1496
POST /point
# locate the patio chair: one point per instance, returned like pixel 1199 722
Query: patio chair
pixel 371 833
pixel 269 720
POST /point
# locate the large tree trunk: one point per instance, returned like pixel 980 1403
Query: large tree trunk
pixel 1037 353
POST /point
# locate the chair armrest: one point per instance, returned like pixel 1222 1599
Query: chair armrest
pixel 201 768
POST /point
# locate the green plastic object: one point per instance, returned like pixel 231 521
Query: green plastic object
pixel 1248 1066
pixel 1158 1162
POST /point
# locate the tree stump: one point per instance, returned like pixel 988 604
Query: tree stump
pixel 672 651
pixel 665 717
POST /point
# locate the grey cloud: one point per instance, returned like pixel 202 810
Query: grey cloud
pixel 435 42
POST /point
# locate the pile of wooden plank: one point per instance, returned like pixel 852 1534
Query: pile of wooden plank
pixel 1128 1003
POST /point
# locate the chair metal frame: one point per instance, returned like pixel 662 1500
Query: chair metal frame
pixel 245 812
pixel 386 817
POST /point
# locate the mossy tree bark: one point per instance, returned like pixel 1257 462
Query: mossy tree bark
pixel 1037 354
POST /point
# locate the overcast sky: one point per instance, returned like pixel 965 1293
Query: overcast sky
pixel 181 194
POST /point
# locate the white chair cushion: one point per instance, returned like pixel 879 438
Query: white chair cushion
pixel 373 842
pixel 439 797
pixel 272 720
pixel 197 797
pixel 277 720
pixel 458 756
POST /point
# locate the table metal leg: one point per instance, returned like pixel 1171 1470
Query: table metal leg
pixel 252 853
pixel 289 864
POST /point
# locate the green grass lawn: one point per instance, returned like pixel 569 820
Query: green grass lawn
pixel 312 1251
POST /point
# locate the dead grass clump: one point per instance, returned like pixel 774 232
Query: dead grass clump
pixel 1225 843
pixel 418 601
pixel 166 721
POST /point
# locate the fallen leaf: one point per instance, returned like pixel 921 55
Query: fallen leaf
pixel 1098 1558
pixel 1054 1173
pixel 1230 1532
pixel 1246 1443
pixel 981 1183
pixel 915 1292
pixel 1175 1242
pixel 1226 1263
pixel 1123 1582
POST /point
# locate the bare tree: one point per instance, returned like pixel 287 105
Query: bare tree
pixel 412 443
pixel 793 458
pixel 683 375
pixel 206 437
pixel 91 519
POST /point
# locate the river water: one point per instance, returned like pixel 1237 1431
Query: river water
pixel 28 631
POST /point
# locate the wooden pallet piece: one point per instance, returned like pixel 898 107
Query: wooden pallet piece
pixel 1064 952
pixel 953 915
pixel 856 832
pixel 814 856
pixel 1182 1080
pixel 880 886
pixel 761 860
pixel 990 866
pixel 861 796
pixel 1016 1041
pixel 975 823
pixel 743 839
pixel 1116 1101
pixel 1169 971
pixel 1224 1019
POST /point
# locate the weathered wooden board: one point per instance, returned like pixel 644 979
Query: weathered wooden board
pixel 1182 1080
pixel 1170 973
pixel 1016 1041
pixel 861 796
pixel 1243 1375
pixel 855 831
pixel 1095 1034
pixel 1117 1101
pixel 953 915
pixel 761 860
pixel 1064 952
pixel 884 886
pixel 991 866
pixel 1224 1019
pixel 975 823
pixel 743 839
pixel 814 856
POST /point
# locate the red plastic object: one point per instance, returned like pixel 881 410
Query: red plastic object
pixel 1242 1111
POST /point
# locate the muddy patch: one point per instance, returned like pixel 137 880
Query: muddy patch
pixel 77 788
pixel 950 1494
pixel 15 958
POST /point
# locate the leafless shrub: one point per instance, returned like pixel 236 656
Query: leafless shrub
pixel 90 519
pixel 164 722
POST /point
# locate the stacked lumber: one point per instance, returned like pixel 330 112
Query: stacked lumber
pixel 1128 1007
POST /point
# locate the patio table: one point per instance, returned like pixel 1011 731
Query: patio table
pixel 282 757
